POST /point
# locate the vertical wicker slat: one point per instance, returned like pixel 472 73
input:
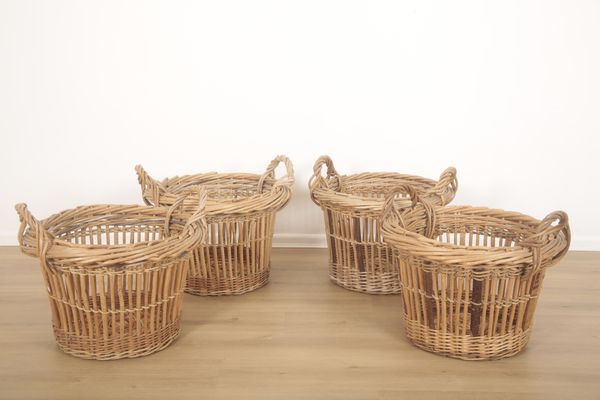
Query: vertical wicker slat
pixel 471 276
pixel 358 258
pixel 114 274
pixel 235 258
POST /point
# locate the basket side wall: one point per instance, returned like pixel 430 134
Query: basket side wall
pixel 358 258
pixel 110 315
pixel 464 315
pixel 236 256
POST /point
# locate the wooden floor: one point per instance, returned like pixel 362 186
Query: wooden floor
pixel 302 337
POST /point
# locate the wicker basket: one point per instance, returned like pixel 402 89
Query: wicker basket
pixel 114 274
pixel 358 258
pixel 235 257
pixel 471 276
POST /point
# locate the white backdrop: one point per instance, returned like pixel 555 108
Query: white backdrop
pixel 508 92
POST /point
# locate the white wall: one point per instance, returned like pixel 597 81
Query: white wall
pixel 508 92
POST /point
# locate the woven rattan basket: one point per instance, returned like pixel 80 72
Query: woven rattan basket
pixel 471 276
pixel 235 257
pixel 114 275
pixel 358 258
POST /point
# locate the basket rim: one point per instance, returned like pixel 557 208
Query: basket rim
pixel 274 199
pixel 39 241
pixel 417 245
pixel 162 193
pixel 327 195
pixel 328 190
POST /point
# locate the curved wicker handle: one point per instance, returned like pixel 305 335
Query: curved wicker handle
pixel 287 180
pixel 149 183
pixel 198 216
pixel 45 239
pixel 546 228
pixel 389 206
pixel 447 178
pixel 317 181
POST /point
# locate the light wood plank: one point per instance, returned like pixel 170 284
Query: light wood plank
pixel 302 337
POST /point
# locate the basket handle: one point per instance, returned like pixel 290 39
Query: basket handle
pixel 148 183
pixel 389 206
pixel 545 228
pixel 287 180
pixel 447 178
pixel 197 216
pixel 318 181
pixel 45 240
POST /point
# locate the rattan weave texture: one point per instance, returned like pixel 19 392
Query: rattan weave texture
pixel 471 276
pixel 235 256
pixel 352 204
pixel 114 274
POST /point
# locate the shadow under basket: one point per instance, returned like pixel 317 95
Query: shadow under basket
pixel 235 256
pixel 359 259
pixel 471 276
pixel 114 275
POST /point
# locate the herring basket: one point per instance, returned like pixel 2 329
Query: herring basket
pixel 471 276
pixel 359 260
pixel 114 275
pixel 235 257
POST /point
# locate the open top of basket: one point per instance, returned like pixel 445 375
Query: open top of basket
pixel 365 192
pixel 228 193
pixel 112 236
pixel 474 238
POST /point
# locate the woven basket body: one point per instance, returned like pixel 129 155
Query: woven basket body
pixel 471 276
pixel 114 275
pixel 359 260
pixel 235 257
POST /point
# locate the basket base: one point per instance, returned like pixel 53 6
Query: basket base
pixel 114 349
pixel 236 285
pixel 466 347
pixel 365 282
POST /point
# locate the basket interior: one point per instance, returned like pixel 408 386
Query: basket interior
pixel 462 228
pixel 228 187
pixel 114 229
pixel 378 185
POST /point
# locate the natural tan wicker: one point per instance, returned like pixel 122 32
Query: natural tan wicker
pixel 114 274
pixel 358 258
pixel 471 276
pixel 235 257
